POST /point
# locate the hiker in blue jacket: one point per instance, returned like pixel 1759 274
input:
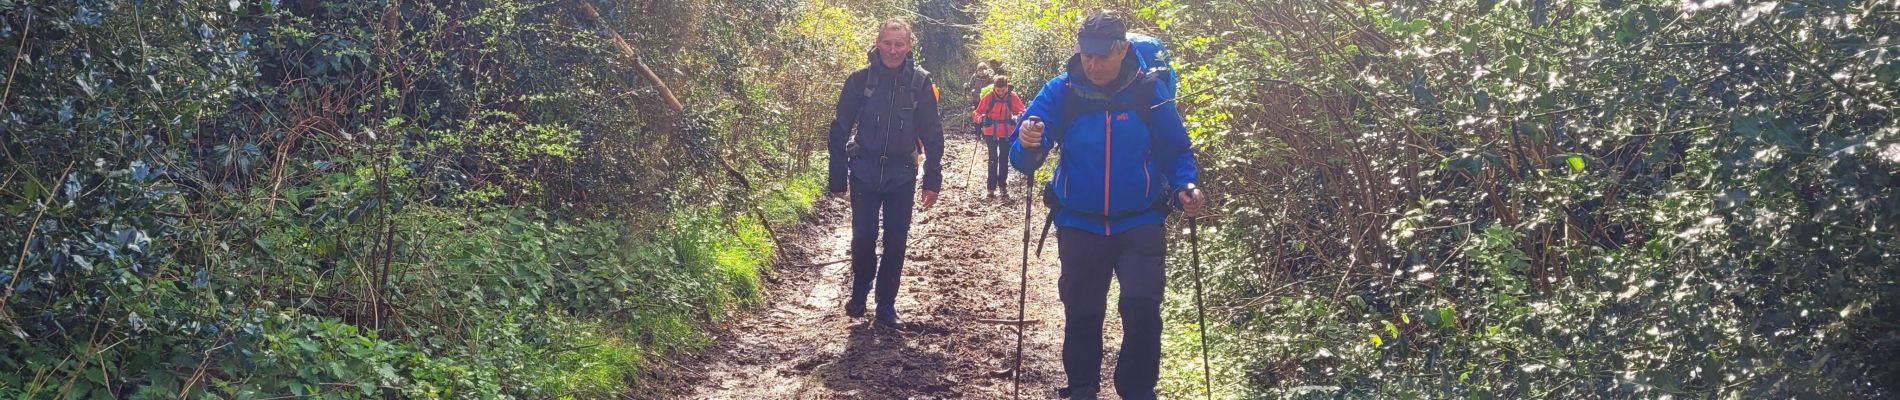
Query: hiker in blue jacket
pixel 1125 154
pixel 892 107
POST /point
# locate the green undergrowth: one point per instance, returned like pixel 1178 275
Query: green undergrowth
pixel 485 303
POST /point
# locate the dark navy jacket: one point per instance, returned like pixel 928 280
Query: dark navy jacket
pixel 1116 165
pixel 894 112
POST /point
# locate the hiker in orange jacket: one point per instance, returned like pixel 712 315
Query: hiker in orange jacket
pixel 996 113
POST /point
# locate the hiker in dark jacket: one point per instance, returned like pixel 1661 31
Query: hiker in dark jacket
pixel 1125 153
pixel 892 107
pixel 979 82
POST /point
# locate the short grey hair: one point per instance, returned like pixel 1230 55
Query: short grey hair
pixel 898 23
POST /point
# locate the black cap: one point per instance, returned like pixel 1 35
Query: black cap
pixel 1100 30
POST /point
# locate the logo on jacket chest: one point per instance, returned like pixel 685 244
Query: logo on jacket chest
pixel 1122 116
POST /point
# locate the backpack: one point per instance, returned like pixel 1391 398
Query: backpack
pixel 1154 54
pixel 1158 74
pixel 909 84
pixel 996 98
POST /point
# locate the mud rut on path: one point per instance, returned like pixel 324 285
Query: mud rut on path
pixel 962 269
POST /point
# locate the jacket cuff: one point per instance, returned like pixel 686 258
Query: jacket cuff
pixel 834 181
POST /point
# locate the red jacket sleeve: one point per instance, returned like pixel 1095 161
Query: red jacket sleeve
pixel 1015 105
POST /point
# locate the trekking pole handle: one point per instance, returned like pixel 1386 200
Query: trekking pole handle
pixel 1038 127
pixel 1192 192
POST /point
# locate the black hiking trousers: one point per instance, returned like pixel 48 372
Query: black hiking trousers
pixel 998 170
pixel 894 205
pixel 1089 260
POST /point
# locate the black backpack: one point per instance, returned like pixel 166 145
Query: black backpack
pixel 909 84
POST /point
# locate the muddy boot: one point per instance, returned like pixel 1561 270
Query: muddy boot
pixel 855 307
pixel 887 317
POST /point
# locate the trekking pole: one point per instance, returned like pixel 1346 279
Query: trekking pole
pixel 1194 248
pixel 1022 291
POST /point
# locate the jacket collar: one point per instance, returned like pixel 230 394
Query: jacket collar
pixel 877 64
pixel 1131 69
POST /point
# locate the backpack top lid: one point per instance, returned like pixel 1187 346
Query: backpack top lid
pixel 1154 56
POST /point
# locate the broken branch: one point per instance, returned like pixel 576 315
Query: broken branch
pixel 587 10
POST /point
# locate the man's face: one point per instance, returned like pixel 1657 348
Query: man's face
pixel 1102 69
pixel 892 46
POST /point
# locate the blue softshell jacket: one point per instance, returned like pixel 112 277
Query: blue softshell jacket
pixel 1115 166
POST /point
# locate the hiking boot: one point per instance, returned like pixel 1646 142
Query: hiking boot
pixel 1077 394
pixel 887 317
pixel 855 307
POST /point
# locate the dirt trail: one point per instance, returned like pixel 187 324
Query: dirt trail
pixel 963 268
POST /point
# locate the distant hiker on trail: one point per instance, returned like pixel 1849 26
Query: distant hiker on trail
pixel 1125 154
pixel 979 82
pixel 996 113
pixel 892 107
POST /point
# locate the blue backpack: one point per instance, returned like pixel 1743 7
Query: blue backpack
pixel 1155 56
pixel 1157 73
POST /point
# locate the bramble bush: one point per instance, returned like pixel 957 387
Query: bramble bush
pixel 371 199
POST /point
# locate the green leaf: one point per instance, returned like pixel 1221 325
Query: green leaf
pixel 32 191
pixel 96 375
pixel 79 391
pixel 1889 74
pixel 1513 64
pixel 1731 198
pixel 1576 163
pixel 1485 6
pixel 1376 341
pixel 307 345
pixel 1447 317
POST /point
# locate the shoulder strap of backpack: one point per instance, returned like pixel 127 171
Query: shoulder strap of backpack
pixel 1145 100
pixel 992 101
pixel 916 83
pixel 1142 103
